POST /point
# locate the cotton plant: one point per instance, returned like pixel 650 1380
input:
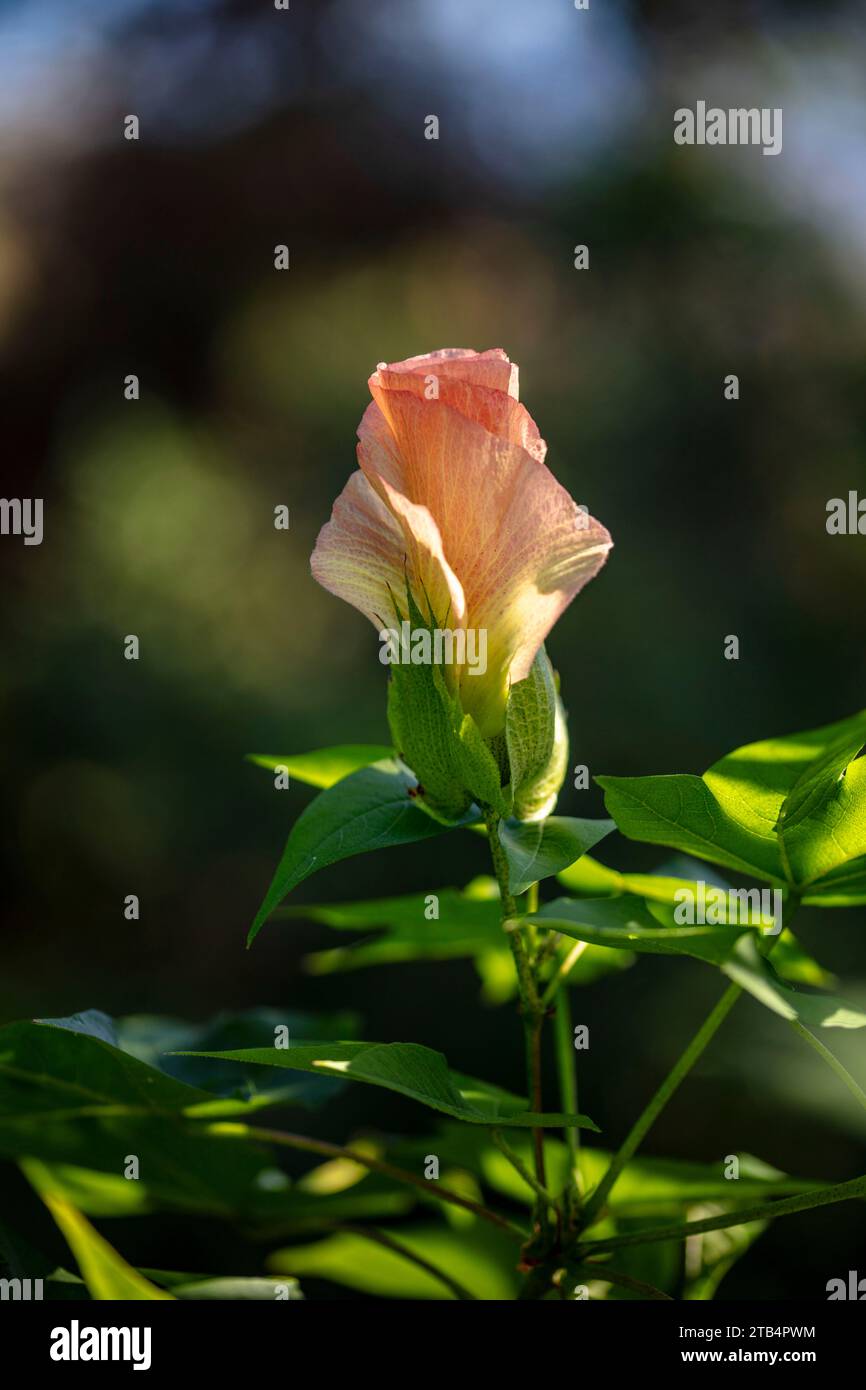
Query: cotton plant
pixel 458 544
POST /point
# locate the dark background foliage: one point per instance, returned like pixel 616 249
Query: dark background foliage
pixel 156 257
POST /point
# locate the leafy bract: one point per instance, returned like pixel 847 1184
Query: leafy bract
pixel 790 811
pixel 537 849
pixel 324 766
pixel 370 809
pixel 411 1070
pixel 536 739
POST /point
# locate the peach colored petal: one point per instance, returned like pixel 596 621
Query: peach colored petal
pixel 360 551
pixel 369 549
pixel 495 410
pixel 519 545
pixel 434 584
pixel 491 368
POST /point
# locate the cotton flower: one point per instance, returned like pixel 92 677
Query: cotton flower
pixel 453 499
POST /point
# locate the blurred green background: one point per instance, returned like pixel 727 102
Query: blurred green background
pixel 155 257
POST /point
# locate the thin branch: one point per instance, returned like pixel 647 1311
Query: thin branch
pixel 832 1061
pixel 647 1119
pixel 378 1165
pixel 607 1275
pixel 562 972
pixel 520 1167
pixel 567 1070
pixel 767 1211
pixel 530 1007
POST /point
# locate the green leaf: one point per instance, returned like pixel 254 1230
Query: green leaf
pixel 236 1289
pixel 481 1259
pixel 820 777
pixel 324 766
pixel 682 811
pixel 537 849
pixel 650 1186
pixel 468 924
pixel 624 923
pixel 831 836
pixel 789 958
pixel 646 1187
pixel 844 887
pixel 590 878
pixel 82 1106
pixel 150 1038
pixel 45 1069
pixel 370 809
pixel 748 968
pixel 414 1071
pixel 105 1272
pixel 779 810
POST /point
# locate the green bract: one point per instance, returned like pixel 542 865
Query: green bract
pixel 518 772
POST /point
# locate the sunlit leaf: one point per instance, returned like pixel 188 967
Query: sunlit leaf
pixel 411 1070
pixel 481 1259
pixel 786 810
pixel 324 766
pixel 105 1272
pixel 370 809
pixel 748 968
pixel 624 923
pixel 537 849
pixel 440 925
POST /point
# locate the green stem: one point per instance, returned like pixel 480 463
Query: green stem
pixel 647 1119
pixel 530 1008
pixel 832 1062
pixel 377 1165
pixel 567 1069
pixel 680 1070
pixel 767 1211
pixel 520 1167
pixel 562 972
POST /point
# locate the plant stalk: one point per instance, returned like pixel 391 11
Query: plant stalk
pixel 766 1211
pixel 647 1119
pixel 377 1165
pixel 567 1069
pixel 530 1005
